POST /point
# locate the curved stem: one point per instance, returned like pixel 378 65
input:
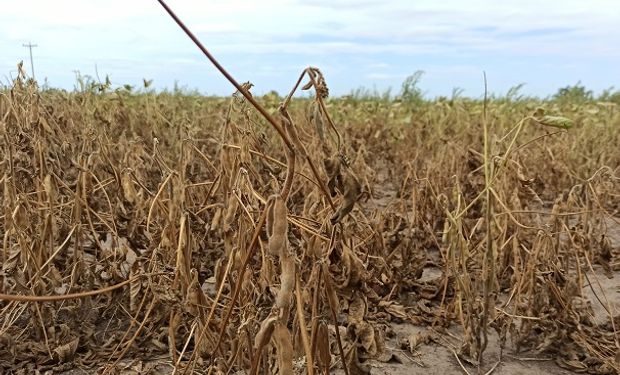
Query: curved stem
pixel 228 76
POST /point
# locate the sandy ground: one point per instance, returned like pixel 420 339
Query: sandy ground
pixel 435 359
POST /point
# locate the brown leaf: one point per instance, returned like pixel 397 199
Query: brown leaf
pixel 352 193
pixel 353 364
pixel 66 352
pixel 366 336
pixel 416 339
pixel 357 309
pixel 395 309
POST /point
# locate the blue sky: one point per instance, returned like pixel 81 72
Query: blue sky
pixel 376 44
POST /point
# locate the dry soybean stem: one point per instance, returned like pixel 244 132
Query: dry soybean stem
pixel 229 77
pixel 248 256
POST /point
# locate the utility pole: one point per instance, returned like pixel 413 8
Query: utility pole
pixel 30 46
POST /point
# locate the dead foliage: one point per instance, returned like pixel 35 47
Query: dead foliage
pixel 230 246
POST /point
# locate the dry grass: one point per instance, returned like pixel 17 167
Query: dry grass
pixel 186 228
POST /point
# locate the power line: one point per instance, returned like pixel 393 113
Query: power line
pixel 30 46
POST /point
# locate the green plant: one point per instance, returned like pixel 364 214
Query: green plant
pixel 410 92
pixel 575 94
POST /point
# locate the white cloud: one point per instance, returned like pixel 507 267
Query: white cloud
pixel 130 36
pixel 383 76
pixel 73 24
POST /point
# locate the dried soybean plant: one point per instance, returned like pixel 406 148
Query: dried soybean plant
pixel 224 233
pixel 540 273
pixel 340 179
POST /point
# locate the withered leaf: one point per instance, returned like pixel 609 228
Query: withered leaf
pixel 353 364
pixel 66 352
pixel 395 309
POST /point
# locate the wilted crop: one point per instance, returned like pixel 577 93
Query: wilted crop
pixel 202 233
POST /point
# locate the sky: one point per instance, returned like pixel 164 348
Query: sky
pixel 546 44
